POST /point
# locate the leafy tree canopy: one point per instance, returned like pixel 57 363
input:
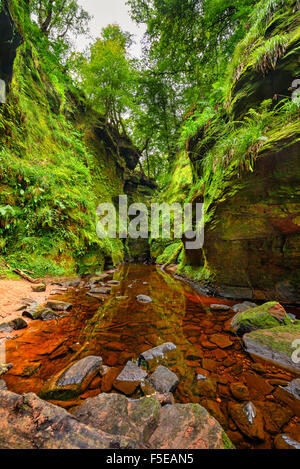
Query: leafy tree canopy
pixel 58 19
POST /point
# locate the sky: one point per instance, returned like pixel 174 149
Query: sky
pixel 107 12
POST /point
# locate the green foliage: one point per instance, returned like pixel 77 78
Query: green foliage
pixel 50 182
pixel 266 56
pixel 170 253
pixel 199 119
pixel 107 74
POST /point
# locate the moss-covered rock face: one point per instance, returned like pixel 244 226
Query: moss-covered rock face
pixel 9 42
pixel 249 171
pixel 268 315
pixel 58 161
pixel 278 345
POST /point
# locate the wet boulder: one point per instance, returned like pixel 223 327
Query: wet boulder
pixel 6 327
pixel 3 386
pixel 239 391
pixel 117 415
pixel 18 323
pixel 144 299
pixel 285 441
pixel 275 345
pixel 73 380
pixel 219 307
pixel 248 419
pixel 100 290
pixel 58 305
pixel 130 378
pixel 268 315
pixel 33 310
pixel 38 287
pixel 241 307
pixel 28 422
pixel 5 367
pixel 163 380
pixel 113 282
pixel 157 353
pixel 74 283
pixel 178 426
pixel 187 426
pixel 294 388
pixel 48 315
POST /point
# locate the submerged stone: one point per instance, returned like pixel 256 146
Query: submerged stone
pixel 221 340
pixel 156 353
pixel 100 290
pixel 207 387
pixel 58 305
pixel 245 306
pixel 188 426
pixel 248 419
pixel 217 307
pixel 239 391
pixel 144 299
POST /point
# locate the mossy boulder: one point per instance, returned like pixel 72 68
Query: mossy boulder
pixel 188 426
pixel 28 422
pixel 277 344
pixel 268 315
pixel 117 415
pixel 152 426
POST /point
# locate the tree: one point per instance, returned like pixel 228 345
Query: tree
pixel 192 39
pixel 187 47
pixel 107 75
pixel 58 18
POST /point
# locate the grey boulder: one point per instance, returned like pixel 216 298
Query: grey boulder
pixel 130 378
pixel 163 380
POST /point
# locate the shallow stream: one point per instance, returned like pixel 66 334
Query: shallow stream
pixel 120 328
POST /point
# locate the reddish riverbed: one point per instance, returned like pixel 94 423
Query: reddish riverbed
pixel 121 328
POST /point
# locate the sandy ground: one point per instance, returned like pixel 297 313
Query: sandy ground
pixel 11 294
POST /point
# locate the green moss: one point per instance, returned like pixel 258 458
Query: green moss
pixel 279 338
pixel 259 317
pixel 54 170
pixel 170 253
pixel 226 442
